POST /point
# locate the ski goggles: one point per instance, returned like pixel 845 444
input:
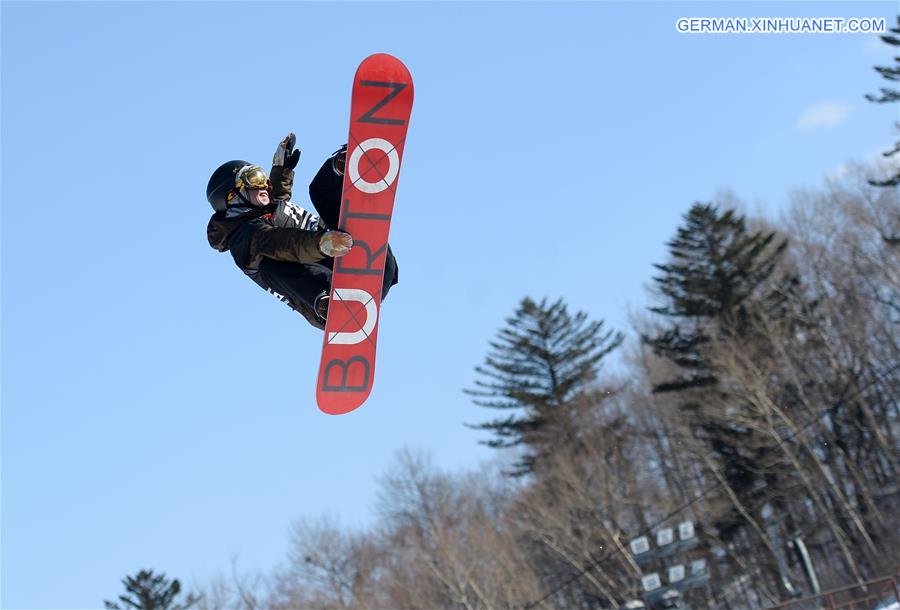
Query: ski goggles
pixel 252 177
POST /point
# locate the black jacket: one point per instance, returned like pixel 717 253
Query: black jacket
pixel 280 231
pixel 253 235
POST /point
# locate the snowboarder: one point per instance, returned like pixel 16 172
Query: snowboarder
pixel 284 248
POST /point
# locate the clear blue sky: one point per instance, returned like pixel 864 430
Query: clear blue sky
pixel 158 409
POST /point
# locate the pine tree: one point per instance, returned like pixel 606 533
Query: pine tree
pixel 150 592
pixel 717 270
pixel 715 265
pixel 887 96
pixel 538 363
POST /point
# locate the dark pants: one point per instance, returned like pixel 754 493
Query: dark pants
pixel 307 282
pixel 296 282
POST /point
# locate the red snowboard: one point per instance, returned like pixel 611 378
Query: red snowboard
pixel 379 116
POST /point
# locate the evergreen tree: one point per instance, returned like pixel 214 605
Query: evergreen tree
pixel 150 592
pixel 538 363
pixel 891 73
pixel 717 269
pixel 715 265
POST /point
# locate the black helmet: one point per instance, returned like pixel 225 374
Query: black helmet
pixel 221 182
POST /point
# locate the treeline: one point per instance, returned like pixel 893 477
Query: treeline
pixel 759 402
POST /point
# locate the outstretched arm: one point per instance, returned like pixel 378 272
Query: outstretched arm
pixel 298 246
pixel 283 164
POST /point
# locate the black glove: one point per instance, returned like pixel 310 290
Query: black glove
pixel 286 155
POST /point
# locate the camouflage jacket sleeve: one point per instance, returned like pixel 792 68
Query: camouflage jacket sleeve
pixel 286 244
pixel 282 182
pixel 257 239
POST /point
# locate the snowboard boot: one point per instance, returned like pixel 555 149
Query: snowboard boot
pixel 321 307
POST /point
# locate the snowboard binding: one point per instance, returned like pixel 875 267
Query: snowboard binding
pixel 339 160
